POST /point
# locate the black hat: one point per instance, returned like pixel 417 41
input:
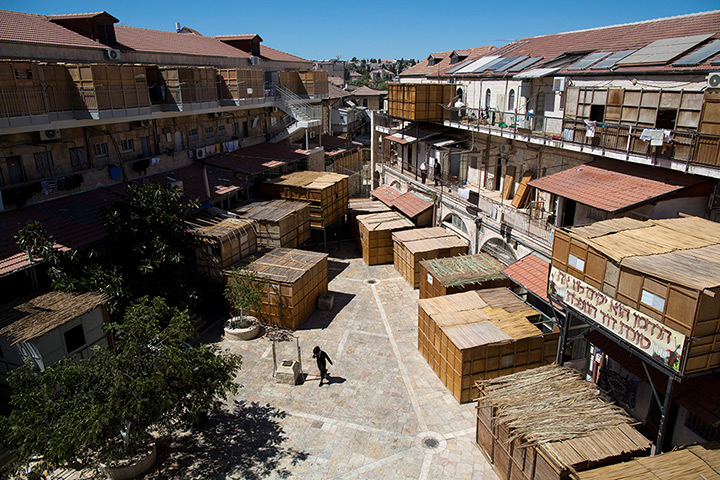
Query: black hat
pixel 316 351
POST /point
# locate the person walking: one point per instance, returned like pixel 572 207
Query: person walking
pixel 436 172
pixel 423 171
pixel 321 357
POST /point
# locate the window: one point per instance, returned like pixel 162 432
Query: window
pixel 273 121
pixel 455 222
pixel 597 113
pixel 511 100
pixel 488 96
pixel 74 338
pixel 221 131
pixel 666 118
pixel 706 430
pixel 127 145
pixel 23 74
pixel 78 158
pixel 193 134
pixel 100 150
pixel 43 161
pixel 209 132
pixel 652 300
pixel 576 262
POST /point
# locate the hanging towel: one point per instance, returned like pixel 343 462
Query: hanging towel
pixel 656 137
pixel 567 134
pixel 590 132
pixel 646 135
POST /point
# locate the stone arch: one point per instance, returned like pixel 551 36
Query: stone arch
pixel 498 248
pixel 396 185
pixel 457 223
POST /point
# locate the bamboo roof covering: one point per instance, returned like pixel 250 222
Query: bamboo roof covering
pixel 218 228
pixel 270 210
pixel 310 179
pixel 428 239
pixel 697 462
pixel 683 250
pixel 501 316
pixel 554 408
pixel 464 269
pixel 385 221
pixel 286 265
pixel 31 317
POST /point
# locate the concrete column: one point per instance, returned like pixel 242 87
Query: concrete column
pixel 373 148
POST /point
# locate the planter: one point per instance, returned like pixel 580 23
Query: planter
pixel 247 333
pixel 132 469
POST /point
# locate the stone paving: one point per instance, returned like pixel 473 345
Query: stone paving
pixel 384 416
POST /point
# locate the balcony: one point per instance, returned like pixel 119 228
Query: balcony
pixel 682 150
pixel 532 225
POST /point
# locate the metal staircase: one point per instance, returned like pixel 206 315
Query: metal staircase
pixel 302 112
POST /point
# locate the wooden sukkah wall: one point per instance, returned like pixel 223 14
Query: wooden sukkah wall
pixel 376 243
pixel 412 246
pixel 279 223
pixel 223 243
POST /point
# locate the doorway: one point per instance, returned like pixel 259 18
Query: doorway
pixel 179 142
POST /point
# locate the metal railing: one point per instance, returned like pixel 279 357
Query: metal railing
pixel 680 145
pixel 299 108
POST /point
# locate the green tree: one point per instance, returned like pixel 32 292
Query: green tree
pixel 244 290
pixel 148 250
pixel 105 407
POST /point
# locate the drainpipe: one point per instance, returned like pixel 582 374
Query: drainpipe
pixel 206 181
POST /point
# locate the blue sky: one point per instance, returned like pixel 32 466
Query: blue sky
pixel 373 29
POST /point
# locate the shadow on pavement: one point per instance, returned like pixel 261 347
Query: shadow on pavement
pixel 245 443
pixel 322 318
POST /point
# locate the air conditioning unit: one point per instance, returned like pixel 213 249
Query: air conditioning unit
pixel 505 148
pixel 254 60
pixel 112 54
pixel 714 80
pixel 200 152
pixel 145 123
pixel 49 135
pixel 559 84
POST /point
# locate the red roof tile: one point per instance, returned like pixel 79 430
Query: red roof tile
pixel 411 205
pixel 78 16
pixel 422 69
pixel 249 36
pixel 614 38
pixel 143 40
pixel 256 159
pixel 194 184
pixel 29 28
pixel 613 186
pixel 386 194
pixel 530 272
pixel 277 55
pixel 366 91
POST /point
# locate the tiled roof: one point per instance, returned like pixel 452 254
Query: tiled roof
pixel 365 90
pixel 422 69
pixel 78 220
pixel 386 194
pixel 256 159
pixel 613 186
pixel 336 92
pixel 411 205
pixel 277 55
pixel 143 40
pixel 249 36
pixel 613 39
pixel 530 272
pixel 79 16
pixel 29 28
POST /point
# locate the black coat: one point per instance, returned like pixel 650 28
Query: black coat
pixel 321 358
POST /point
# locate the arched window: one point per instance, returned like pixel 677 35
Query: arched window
pixel 487 98
pixel 511 101
pixel 456 222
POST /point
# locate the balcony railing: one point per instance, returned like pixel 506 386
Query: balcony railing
pixel 680 145
pixel 532 222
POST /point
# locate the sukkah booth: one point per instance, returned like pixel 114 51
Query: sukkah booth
pixel 279 223
pixel 650 290
pixel 327 193
pixel 223 242
pixel 291 281
pixel 695 461
pixel 362 206
pixel 376 229
pixel 412 246
pixel 480 334
pixel 546 423
pixel 444 276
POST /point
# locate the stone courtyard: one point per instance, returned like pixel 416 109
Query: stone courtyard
pixel 385 414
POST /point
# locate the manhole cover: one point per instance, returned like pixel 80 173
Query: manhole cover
pixel 371 281
pixel 287 363
pixel 430 442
